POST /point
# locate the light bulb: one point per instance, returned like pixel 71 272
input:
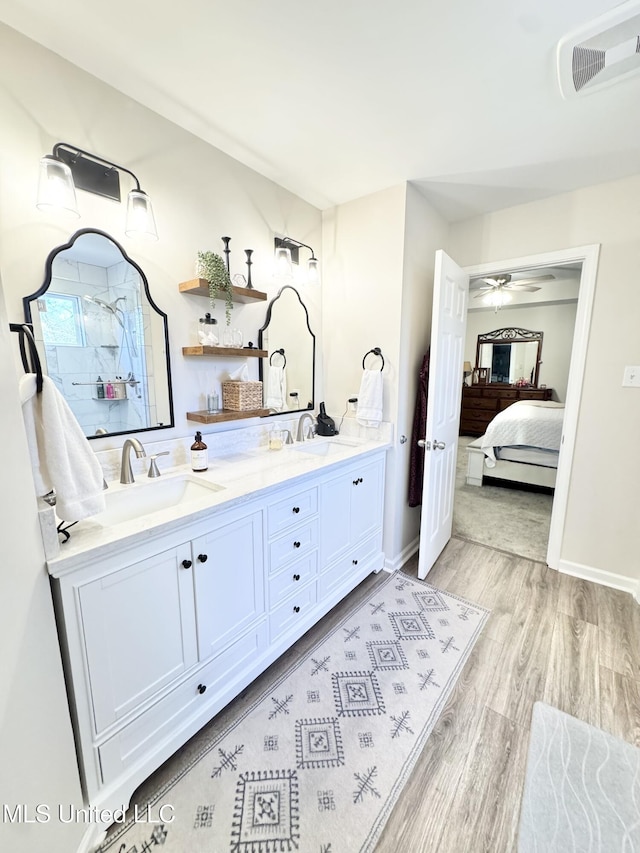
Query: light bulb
pixel 56 190
pixel 140 219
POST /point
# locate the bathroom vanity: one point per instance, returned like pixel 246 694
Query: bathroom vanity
pixel 166 617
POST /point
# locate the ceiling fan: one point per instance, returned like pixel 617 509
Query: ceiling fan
pixel 495 290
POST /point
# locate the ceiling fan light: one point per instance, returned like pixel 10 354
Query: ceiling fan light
pixel 497 298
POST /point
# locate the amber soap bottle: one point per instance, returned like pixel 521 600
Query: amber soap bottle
pixel 199 455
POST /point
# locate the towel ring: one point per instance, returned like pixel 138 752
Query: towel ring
pixel 30 361
pixel 375 351
pixel 279 352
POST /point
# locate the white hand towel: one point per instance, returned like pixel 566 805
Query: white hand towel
pixel 61 456
pixel 369 411
pixel 276 388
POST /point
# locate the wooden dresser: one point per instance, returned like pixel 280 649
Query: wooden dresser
pixel 481 403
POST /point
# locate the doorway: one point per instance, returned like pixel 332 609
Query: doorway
pixel 587 256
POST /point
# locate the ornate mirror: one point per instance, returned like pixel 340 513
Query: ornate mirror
pixel 288 372
pixel 101 338
pixel 510 355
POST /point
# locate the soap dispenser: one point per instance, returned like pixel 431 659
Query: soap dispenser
pixel 199 455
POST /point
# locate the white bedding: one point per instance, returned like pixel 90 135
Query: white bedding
pixel 525 423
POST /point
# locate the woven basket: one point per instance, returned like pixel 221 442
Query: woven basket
pixel 241 396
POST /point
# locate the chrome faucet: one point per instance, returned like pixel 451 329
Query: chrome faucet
pixel 126 472
pixel 310 431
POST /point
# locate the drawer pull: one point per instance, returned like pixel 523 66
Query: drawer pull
pixel 296 544
pixel 202 558
pixel 296 509
pixel 355 562
pixel 201 688
pixel 296 609
pixel 296 577
pixel 186 564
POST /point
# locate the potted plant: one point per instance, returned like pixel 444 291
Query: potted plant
pixel 212 268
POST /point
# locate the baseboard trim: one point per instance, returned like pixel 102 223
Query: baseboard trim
pixel 590 573
pixel 392 565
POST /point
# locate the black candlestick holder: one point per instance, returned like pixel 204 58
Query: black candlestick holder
pixel 248 253
pixel 227 251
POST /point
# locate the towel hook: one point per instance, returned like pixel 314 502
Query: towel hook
pixel 280 352
pixel 375 351
pixel 31 361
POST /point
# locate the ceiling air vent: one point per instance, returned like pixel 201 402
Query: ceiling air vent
pixel 601 52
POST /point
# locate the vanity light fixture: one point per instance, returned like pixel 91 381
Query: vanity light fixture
pixel 69 168
pixel 287 253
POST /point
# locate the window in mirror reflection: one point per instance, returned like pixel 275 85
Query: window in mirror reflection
pixel 61 320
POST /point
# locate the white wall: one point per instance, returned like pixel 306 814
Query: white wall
pixel 425 232
pixel 556 321
pixel 601 530
pixel 378 286
pixel 199 194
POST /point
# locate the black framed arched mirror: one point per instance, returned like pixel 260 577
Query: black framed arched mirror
pixel 101 337
pixel 288 373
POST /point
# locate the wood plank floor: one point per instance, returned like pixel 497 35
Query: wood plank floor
pixel 550 637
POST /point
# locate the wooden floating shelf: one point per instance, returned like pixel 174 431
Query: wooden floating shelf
pixel 225 351
pixel 204 417
pixel 200 287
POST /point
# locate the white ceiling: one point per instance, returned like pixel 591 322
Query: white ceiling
pixel 340 98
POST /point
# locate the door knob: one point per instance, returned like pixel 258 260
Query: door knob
pixel 438 445
pixel 424 444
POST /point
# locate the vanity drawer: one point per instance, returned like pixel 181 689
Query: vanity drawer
pixel 291 510
pixel 294 544
pixel 294 610
pixel 162 720
pixel 295 576
pixel 502 393
pixel 349 566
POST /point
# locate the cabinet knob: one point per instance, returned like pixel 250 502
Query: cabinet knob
pixel 296 509
pixel 296 544
pixel 186 564
pixel 202 558
pixel 296 577
pixel 201 688
pixel 355 562
pixel 355 482
pixel 296 609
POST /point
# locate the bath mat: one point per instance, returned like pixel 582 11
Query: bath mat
pixel 582 788
pixel 316 764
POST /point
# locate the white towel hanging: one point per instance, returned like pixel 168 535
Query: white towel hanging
pixel 276 388
pixel 61 456
pixel 369 412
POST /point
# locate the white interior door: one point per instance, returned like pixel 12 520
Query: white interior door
pixel 448 326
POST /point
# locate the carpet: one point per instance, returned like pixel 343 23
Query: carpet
pixel 317 762
pixel 582 788
pixel 514 520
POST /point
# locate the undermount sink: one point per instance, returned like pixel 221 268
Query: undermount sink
pixel 139 499
pixel 325 448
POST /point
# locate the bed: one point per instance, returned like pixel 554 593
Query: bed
pixel 520 445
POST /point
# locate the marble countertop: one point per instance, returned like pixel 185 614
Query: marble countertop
pixel 237 476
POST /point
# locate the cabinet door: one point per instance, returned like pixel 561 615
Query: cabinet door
pixel 366 501
pixel 335 517
pixel 139 632
pixel 228 579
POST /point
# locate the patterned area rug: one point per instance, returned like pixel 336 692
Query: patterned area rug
pixel 582 788
pixel 317 762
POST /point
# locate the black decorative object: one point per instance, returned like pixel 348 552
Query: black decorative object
pixel 227 250
pixel 248 253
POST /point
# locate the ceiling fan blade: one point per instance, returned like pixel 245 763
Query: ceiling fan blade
pixel 522 287
pixel 532 278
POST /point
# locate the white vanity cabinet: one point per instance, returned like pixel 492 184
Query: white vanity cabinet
pixel 161 633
